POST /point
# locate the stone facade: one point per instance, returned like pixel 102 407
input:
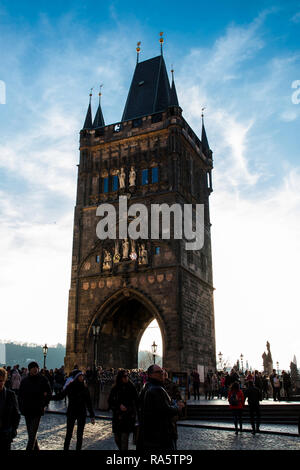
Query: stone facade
pixel 171 284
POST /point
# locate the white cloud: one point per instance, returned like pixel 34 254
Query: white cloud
pixel 255 227
pixel 296 17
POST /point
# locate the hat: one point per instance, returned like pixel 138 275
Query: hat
pixel 32 364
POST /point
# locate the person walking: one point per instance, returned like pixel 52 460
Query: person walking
pixel 253 394
pixel 236 401
pixel 287 384
pixel 123 401
pixel 79 400
pixel 272 383
pixel 196 383
pixel 173 391
pixel 276 387
pixel 214 386
pixel 9 414
pixel 265 387
pixel 157 412
pixel 59 380
pixel 207 386
pixel 34 396
pixel 15 379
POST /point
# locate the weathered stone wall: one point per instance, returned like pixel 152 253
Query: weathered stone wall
pixel 175 286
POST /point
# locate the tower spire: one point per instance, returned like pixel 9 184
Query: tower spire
pixel 99 120
pixel 173 93
pixel 138 50
pixel 205 145
pixel 88 123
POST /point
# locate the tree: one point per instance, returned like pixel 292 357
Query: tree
pixel 146 359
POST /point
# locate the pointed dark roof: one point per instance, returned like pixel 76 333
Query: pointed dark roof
pixel 149 91
pixel 88 124
pixel 99 120
pixel 173 95
pixel 205 145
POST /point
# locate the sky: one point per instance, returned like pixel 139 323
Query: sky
pixel 240 63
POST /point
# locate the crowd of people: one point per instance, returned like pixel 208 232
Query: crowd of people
pixel 217 385
pixel 145 403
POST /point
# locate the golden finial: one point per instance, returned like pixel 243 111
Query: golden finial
pixel 91 93
pixel 100 92
pixel 161 40
pixel 138 50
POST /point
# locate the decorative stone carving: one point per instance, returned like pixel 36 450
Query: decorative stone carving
pixel 117 255
pixel 143 254
pixel 122 177
pixel 107 260
pixel 133 254
pixel 132 176
pixel 125 245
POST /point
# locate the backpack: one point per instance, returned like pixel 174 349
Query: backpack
pixel 233 400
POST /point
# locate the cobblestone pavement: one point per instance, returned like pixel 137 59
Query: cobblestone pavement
pixel 99 437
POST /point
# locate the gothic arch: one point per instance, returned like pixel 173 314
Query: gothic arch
pixel 123 318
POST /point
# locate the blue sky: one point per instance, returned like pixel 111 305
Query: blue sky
pixel 239 62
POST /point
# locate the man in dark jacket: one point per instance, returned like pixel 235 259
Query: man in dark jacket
pixel 287 384
pixel 123 401
pixel 9 414
pixel 157 412
pixel 196 383
pixel 34 396
pixel 173 391
pixel 253 395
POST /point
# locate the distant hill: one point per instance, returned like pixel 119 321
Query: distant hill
pixel 22 354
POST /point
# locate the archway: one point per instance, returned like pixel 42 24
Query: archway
pixel 122 320
pixel 152 334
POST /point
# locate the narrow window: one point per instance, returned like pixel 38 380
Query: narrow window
pixel 157 250
pixel 98 259
pixel 145 177
pixel 115 182
pixel 105 185
pixel 155 175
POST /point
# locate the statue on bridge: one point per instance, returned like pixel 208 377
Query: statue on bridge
pixel 268 361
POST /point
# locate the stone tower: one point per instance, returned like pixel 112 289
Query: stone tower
pixel 152 156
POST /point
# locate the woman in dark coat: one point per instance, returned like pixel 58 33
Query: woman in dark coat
pixel 79 400
pixel 123 401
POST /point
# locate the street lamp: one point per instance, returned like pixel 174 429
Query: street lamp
pixel 96 331
pixel 45 350
pixel 277 364
pixel 220 359
pixel 242 357
pixel 154 349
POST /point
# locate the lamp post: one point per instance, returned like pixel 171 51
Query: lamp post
pixel 220 359
pixel 242 357
pixel 96 331
pixel 45 350
pixel 154 349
